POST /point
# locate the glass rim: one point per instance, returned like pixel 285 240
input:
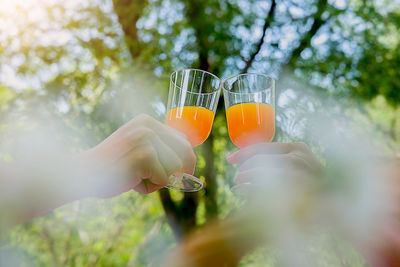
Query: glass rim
pixel 199 70
pixel 246 74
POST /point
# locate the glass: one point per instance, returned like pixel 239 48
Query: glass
pixel 250 109
pixel 192 102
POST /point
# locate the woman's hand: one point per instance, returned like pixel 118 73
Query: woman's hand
pixel 141 155
pixel 259 160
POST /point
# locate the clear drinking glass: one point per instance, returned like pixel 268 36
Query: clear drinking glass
pixel 250 108
pixel 192 102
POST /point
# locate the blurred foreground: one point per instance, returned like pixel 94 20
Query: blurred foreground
pixel 74 71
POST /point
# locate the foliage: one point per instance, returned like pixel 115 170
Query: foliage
pixel 97 63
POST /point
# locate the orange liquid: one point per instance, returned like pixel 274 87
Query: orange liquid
pixel 194 122
pixel 251 123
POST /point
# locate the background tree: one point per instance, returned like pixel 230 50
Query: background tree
pixel 88 61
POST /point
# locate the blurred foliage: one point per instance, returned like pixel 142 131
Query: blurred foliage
pixel 94 64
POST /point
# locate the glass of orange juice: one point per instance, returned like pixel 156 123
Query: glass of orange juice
pixel 250 108
pixel 192 102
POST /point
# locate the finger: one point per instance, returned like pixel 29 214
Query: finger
pixel 251 175
pixel 308 160
pixel 146 120
pixel 262 175
pixel 261 148
pixel 147 187
pixel 152 146
pixel 266 161
pixel 267 148
pixel 182 147
pixel 245 189
pixel 153 171
pixel 146 165
pixel 171 162
pixel 176 140
pixel 286 161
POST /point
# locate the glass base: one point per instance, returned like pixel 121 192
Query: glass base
pixel 185 183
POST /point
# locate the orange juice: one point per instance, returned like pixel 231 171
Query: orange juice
pixel 194 122
pixel 251 123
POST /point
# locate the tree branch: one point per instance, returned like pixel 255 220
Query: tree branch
pixel 210 191
pixel 109 245
pixel 306 40
pixel 129 13
pixel 188 208
pixel 171 212
pixel 268 21
pixel 46 236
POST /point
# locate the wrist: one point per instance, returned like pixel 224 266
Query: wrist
pixel 97 176
pixel 86 168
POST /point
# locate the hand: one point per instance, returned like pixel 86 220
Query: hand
pixel 141 155
pixel 260 159
pixel 385 250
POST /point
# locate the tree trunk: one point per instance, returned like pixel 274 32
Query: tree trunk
pixel 195 15
pixel 210 194
pixel 180 216
pixel 129 12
